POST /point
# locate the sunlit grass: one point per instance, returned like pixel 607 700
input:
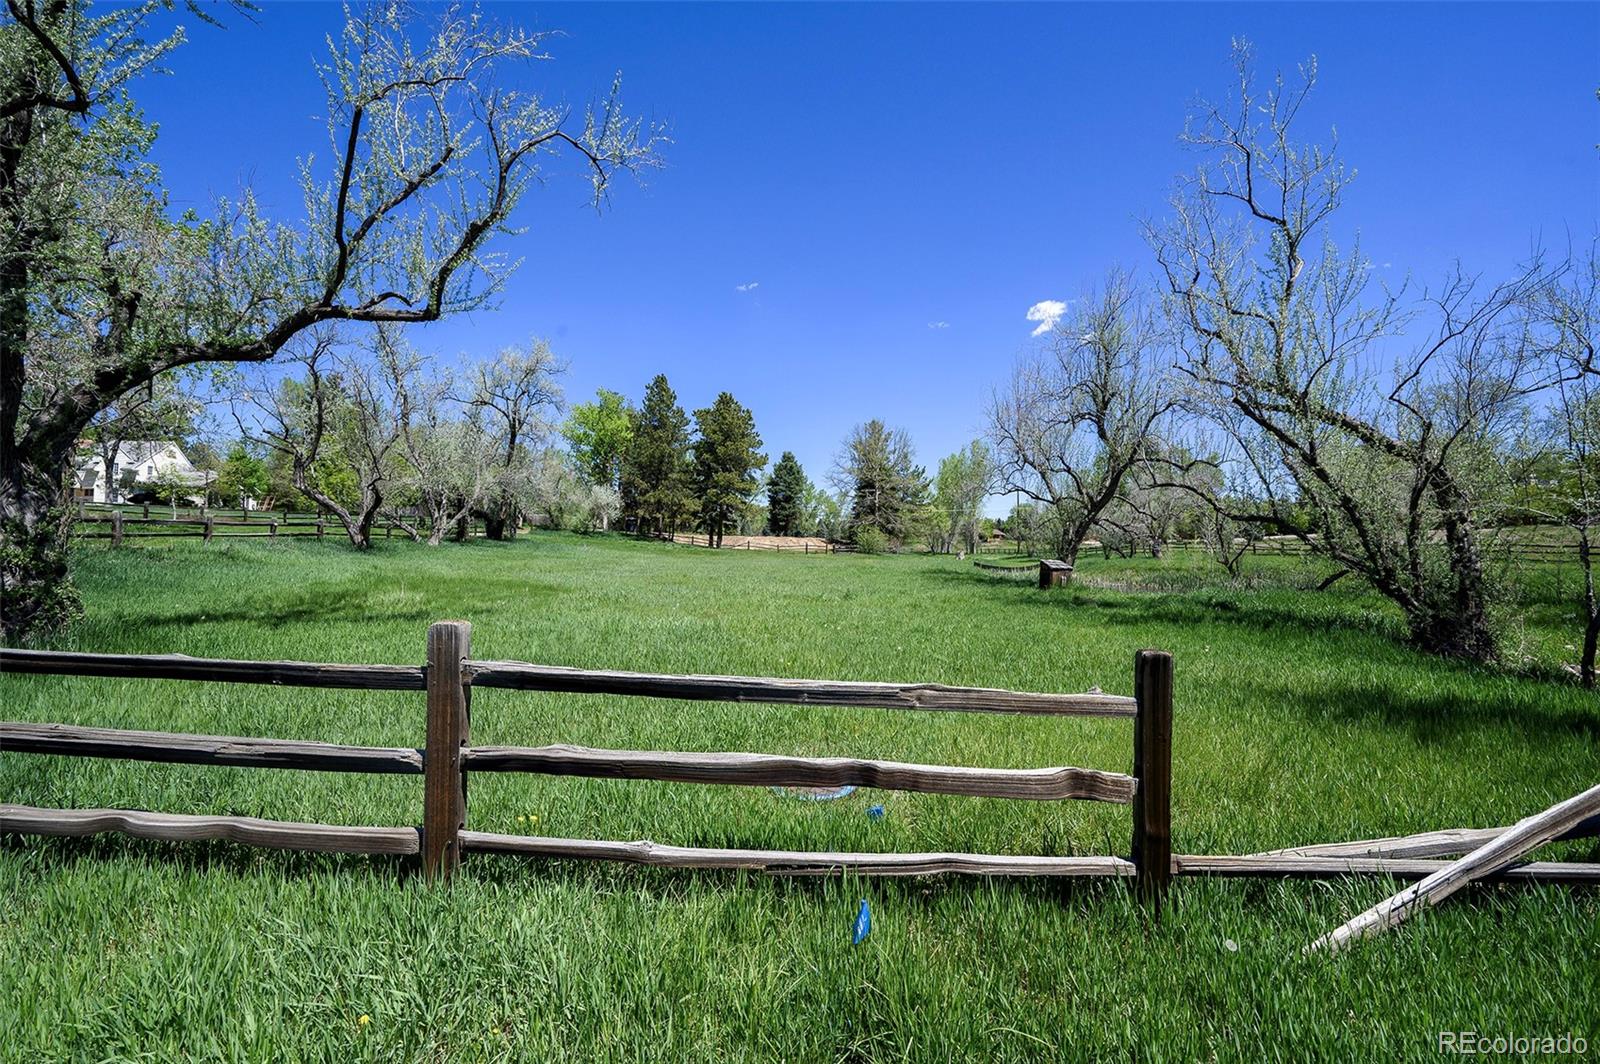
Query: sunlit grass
pixel 1300 717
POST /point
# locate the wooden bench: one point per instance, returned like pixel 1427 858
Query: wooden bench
pixel 1053 573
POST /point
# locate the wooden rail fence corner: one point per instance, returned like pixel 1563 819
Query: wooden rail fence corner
pixel 444 801
pixel 1152 768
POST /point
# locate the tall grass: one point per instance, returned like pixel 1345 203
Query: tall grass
pixel 1300 717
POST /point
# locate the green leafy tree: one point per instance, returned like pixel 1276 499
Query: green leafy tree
pixel 598 434
pixel 243 476
pixel 656 473
pixel 964 479
pixel 826 515
pixel 787 493
pixel 727 458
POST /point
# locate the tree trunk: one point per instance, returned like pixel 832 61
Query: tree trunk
pixel 36 594
pixel 1464 634
pixel 1453 621
pixel 1591 642
pixel 361 531
pixel 1591 611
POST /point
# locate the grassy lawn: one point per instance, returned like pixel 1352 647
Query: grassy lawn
pixel 1299 718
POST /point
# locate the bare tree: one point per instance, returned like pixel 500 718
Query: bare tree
pixel 102 291
pixel 339 426
pixel 1080 417
pixel 565 496
pixel 1566 313
pixel 1390 474
pixel 519 394
pixel 1152 508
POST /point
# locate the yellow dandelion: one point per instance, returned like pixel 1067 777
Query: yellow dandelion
pixel 520 819
pixel 363 1019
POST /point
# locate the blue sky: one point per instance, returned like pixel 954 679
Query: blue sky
pixel 870 170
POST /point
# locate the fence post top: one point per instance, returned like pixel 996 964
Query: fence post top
pixel 459 632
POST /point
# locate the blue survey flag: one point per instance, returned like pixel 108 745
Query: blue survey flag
pixel 863 923
pixel 875 812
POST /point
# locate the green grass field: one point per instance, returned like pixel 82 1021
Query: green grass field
pixel 1300 718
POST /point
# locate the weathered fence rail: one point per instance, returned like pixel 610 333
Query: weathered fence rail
pixel 447 757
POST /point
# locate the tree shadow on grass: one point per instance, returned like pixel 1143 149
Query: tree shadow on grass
pixel 341 606
pixel 1431 719
pixel 1180 608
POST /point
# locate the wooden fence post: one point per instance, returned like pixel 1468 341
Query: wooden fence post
pixel 321 526
pixel 272 529
pixel 444 809
pixel 209 529
pixel 116 528
pixel 1152 767
pixel 147 511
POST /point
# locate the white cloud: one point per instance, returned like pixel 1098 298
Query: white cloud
pixel 748 286
pixel 938 325
pixel 1046 312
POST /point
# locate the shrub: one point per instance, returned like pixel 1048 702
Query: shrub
pixel 871 540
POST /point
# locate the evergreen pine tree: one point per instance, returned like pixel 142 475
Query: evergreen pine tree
pixel 726 460
pixel 656 474
pixel 786 494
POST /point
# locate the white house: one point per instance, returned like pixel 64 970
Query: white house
pixel 136 462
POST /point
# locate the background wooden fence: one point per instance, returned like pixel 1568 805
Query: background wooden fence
pixel 799 545
pixel 116 522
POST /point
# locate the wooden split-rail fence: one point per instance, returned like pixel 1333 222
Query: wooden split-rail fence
pixel 451 675
pixel 449 679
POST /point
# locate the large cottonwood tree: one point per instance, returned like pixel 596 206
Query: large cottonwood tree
pixel 1371 427
pixel 103 289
